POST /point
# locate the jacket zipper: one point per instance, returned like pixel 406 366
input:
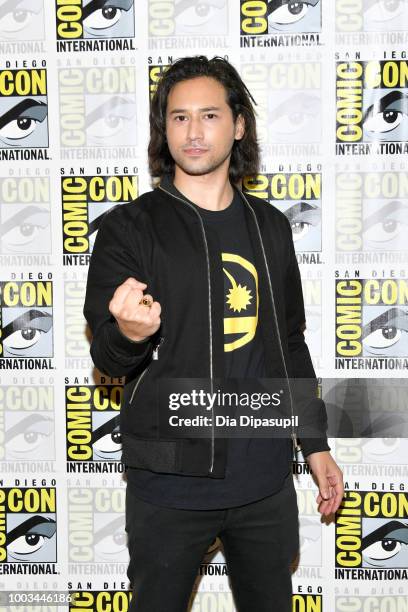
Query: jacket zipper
pixel 155 356
pixel 296 447
pixel 209 315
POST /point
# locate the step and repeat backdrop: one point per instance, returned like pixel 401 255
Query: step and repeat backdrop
pixel 76 77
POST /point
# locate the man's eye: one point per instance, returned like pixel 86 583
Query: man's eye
pixel 383 549
pixel 383 337
pixel 289 13
pixel 385 121
pixel 19 128
pixel 103 18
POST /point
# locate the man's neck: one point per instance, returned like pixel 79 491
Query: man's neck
pixel 207 191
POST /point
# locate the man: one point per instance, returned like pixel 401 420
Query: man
pixel 204 254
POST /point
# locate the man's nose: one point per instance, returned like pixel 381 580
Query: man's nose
pixel 195 128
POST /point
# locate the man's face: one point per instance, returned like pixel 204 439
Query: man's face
pixel 199 126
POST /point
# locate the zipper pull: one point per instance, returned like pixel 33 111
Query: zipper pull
pixel 156 349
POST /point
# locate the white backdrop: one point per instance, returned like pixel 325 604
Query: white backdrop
pixel 330 81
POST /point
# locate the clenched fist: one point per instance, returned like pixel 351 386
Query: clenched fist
pixel 135 320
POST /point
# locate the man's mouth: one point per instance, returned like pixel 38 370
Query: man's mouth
pixel 195 150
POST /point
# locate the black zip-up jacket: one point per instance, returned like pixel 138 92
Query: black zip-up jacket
pixel 160 240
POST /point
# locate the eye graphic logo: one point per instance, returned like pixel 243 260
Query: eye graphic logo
pixel 371 211
pixel 385 115
pixel 28 531
pixel 95 19
pixel 280 16
pixel 97 106
pixel 29 437
pixel 96 532
pixel 372 531
pixel 92 417
pixel 85 201
pixel 188 18
pixel 23 108
pixel 21 20
pixel 26 319
pixel 372 104
pixel 372 318
pixel 371 16
pixel 299 197
pixel 25 217
pixel 310 530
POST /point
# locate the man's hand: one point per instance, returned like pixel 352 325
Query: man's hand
pixel 135 320
pixel 329 479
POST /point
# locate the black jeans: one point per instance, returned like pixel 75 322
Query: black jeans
pixel 167 545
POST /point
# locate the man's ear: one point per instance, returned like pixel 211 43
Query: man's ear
pixel 239 127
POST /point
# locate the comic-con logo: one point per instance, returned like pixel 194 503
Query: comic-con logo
pixel 192 18
pixel 92 422
pixel 95 19
pixel 27 431
pixel 155 73
pixel 371 211
pixel 371 106
pixel 22 20
pixel 312 295
pixel 298 195
pixel 28 525
pixel 85 201
pixel 372 532
pixel 96 531
pixel 100 601
pixel 25 216
pixel 23 108
pixel 310 530
pixel 371 318
pixel 288 95
pixel 97 106
pixel 26 318
pixel 364 603
pixel 280 16
pixel 371 16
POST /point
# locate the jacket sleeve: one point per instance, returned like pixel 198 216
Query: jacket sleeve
pixel 299 357
pixel 113 260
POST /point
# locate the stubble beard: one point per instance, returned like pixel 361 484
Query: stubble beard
pixel 200 167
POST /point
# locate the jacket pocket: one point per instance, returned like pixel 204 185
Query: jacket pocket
pixel 155 356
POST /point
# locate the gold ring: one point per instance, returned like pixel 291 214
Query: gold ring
pixel 146 301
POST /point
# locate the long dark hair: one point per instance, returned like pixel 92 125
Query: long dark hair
pixel 245 152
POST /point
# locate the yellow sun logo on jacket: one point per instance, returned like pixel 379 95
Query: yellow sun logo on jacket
pixel 241 301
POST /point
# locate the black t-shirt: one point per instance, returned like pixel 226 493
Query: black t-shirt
pixel 255 467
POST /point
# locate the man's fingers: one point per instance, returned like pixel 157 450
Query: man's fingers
pixel 155 310
pixel 134 283
pixel 124 294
